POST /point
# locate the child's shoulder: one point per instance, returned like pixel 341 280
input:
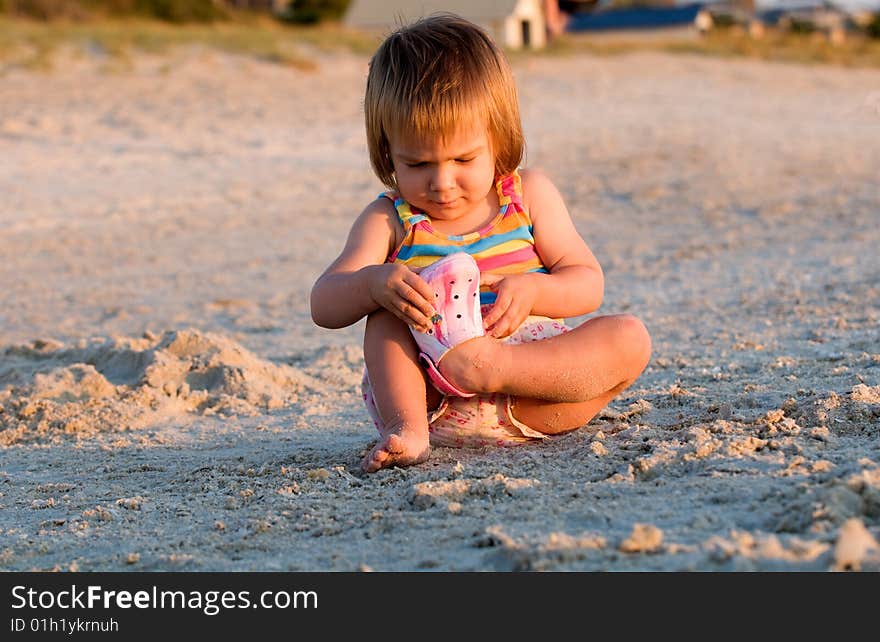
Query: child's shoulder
pixel 380 216
pixel 537 190
pixel 381 208
pixel 382 205
pixel 534 178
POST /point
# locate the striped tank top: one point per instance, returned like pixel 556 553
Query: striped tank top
pixel 504 246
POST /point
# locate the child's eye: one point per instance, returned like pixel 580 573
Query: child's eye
pixel 463 160
pixel 420 164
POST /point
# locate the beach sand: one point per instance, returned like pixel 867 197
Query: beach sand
pixel 167 404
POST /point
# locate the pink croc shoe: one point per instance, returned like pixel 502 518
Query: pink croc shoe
pixel 455 280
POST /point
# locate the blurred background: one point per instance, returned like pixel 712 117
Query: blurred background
pixel 137 126
pixel 516 23
pixel 198 162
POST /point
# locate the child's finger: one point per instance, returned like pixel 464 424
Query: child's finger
pixel 502 332
pixel 497 330
pixel 502 326
pixel 498 309
pixel 509 321
pixel 491 280
pixel 491 319
pixel 411 316
pixel 417 284
pixel 505 326
pixel 416 298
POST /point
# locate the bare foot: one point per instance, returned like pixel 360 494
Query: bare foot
pixel 402 446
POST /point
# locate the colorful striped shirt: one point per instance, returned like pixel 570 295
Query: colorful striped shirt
pixel 504 246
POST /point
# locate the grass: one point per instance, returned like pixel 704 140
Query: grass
pixel 779 46
pixel 34 45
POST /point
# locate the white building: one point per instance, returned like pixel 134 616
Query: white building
pixel 514 24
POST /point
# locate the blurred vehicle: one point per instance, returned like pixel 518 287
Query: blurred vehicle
pixel 634 17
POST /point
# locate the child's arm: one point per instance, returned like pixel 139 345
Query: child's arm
pixel 575 284
pixel 359 281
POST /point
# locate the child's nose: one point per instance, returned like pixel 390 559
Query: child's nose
pixel 442 179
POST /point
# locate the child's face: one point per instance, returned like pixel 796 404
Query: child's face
pixel 446 179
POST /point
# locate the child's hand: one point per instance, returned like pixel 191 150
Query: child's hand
pixel 516 296
pixel 401 291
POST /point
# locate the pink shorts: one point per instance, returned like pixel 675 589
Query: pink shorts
pixel 482 420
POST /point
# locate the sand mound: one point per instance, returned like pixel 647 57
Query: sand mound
pixel 108 385
pixel 856 412
pixel 430 493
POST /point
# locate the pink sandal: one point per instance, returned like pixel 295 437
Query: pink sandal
pixel 455 280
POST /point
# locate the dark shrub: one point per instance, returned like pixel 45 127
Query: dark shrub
pixel 801 25
pixel 873 28
pixel 723 21
pixel 180 10
pixel 312 11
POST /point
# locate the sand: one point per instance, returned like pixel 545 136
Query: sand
pixel 167 404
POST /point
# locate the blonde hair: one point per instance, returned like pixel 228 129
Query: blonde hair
pixel 429 77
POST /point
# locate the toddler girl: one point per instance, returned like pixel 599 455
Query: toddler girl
pixel 444 134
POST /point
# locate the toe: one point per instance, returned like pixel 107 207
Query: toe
pixel 392 450
pixel 375 460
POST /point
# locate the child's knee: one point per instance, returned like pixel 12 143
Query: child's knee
pixel 634 339
pixel 384 329
pixel 383 322
pixel 381 316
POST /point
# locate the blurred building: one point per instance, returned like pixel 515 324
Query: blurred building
pixel 825 19
pixel 730 13
pixel 516 24
pixel 820 17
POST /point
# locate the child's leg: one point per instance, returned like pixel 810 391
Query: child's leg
pixel 400 393
pixel 555 417
pixel 559 383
